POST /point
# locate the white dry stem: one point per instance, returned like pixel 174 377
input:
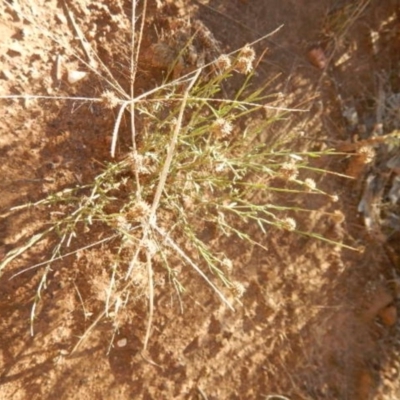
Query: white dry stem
pixel 85 313
pixel 135 49
pixel 116 128
pixel 151 218
pixel 88 330
pixel 164 173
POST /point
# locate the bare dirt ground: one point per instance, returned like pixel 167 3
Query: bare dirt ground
pixel 317 321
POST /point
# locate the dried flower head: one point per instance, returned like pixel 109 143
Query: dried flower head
pixel 223 63
pixel 288 224
pixel 141 163
pixel 227 265
pixel 221 128
pixel 289 171
pixel 310 184
pixel 238 289
pixel 109 99
pixel 248 52
pixel 244 65
pixel 334 198
pixel 140 210
pixel 123 224
pixel 367 154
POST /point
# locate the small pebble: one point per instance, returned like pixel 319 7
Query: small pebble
pixel 75 76
pixel 317 57
pixel 388 315
pixel 122 342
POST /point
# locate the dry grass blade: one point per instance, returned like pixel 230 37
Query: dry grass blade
pixel 22 249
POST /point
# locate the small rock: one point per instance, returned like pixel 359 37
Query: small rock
pixel 388 315
pixel 122 342
pixel 75 76
pixel 317 57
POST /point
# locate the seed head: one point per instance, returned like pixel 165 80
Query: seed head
pixel 141 163
pixel 238 289
pixel 248 52
pixel 151 246
pixel 310 184
pixel 227 265
pixel 110 100
pixel 140 210
pixel 334 198
pixel 220 167
pixel 123 224
pixel 221 128
pixel 244 65
pixel 367 154
pixel 288 224
pixel 289 171
pixel 223 63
